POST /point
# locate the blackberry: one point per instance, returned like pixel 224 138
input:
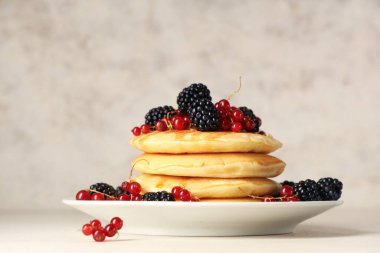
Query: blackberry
pixel 158 196
pixel 286 182
pixel 190 94
pixel 119 190
pixel 248 112
pixel 307 190
pixel 103 188
pixel 330 188
pixel 203 115
pixel 157 114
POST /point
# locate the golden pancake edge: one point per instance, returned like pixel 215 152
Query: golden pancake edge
pixel 216 165
pixel 192 141
pixel 210 188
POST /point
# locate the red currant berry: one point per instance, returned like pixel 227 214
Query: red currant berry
pixel 268 199
pixel 236 127
pixel 193 199
pixel 294 198
pixel 249 125
pixel 96 224
pixel 223 114
pixel 217 106
pixel 97 196
pixel 83 195
pixel 262 132
pixel 179 123
pixel 110 198
pixel 123 197
pixel 117 222
pixel 99 235
pixel 136 131
pixel 184 195
pixel 286 191
pixel 145 129
pixel 175 191
pixel 136 198
pixel 246 118
pixel 224 104
pixel 110 230
pixel 161 126
pixel 187 120
pixel 87 229
pixel 125 185
pixel 134 188
pixel 225 125
pixel 236 115
pixel 233 108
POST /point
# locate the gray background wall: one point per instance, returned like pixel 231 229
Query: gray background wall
pixel 76 76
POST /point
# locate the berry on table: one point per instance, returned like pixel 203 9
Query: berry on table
pixel 136 131
pixel 96 224
pixel 83 195
pixel 110 230
pixel 99 235
pixel 87 229
pixel 117 222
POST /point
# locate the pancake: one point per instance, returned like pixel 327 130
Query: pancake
pixel 210 187
pixel 192 141
pixel 218 165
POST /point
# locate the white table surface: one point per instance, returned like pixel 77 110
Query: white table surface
pixel 338 230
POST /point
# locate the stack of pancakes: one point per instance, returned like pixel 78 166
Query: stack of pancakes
pixel 213 166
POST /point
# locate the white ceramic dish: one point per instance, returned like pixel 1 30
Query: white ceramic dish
pixel 205 218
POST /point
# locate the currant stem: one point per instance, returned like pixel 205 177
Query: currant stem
pixel 133 166
pixel 236 91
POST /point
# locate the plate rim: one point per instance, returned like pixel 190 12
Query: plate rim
pixel 72 202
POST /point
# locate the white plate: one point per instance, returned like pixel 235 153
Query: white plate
pixel 205 218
